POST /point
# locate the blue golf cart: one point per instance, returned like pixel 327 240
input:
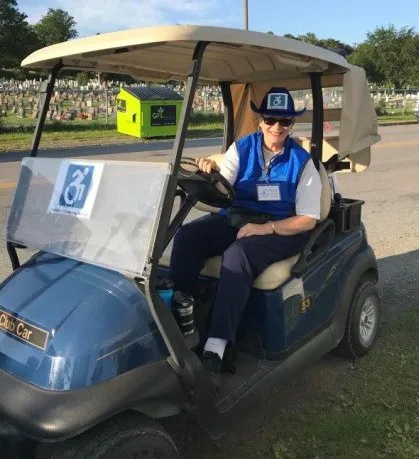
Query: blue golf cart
pixel 91 353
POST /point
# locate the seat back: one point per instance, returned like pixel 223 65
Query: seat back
pixel 326 195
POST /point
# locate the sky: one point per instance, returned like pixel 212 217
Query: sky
pixel 348 21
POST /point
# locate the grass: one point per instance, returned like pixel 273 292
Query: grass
pixel 375 416
pixel 397 117
pixel 90 134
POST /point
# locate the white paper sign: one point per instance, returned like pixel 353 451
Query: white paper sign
pixel 76 188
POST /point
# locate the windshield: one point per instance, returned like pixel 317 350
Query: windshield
pixel 101 212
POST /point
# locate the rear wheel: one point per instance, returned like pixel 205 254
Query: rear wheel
pixel 363 321
pixel 129 436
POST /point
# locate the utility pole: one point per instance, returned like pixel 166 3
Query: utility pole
pixel 246 16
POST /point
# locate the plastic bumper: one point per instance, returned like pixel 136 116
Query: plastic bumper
pixel 54 416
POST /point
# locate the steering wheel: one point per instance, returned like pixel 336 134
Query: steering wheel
pixel 212 189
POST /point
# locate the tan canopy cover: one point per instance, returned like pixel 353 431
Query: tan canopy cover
pixel 165 53
pixel 252 61
pixel 358 124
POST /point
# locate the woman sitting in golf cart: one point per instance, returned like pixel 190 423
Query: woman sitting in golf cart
pixel 277 203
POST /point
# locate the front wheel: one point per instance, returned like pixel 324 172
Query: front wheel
pixel 128 436
pixel 363 321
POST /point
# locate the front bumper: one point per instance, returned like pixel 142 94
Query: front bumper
pixel 46 415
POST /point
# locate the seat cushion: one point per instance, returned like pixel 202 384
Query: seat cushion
pixel 272 277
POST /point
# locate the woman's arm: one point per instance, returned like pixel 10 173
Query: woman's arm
pixel 229 167
pixel 293 225
pixel 287 227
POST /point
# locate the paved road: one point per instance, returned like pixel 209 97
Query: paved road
pixel 390 188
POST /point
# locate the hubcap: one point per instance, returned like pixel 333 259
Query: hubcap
pixel 368 320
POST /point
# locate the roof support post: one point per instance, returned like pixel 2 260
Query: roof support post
pixel 193 75
pixel 228 136
pixel 46 91
pixel 185 114
pixel 164 319
pixel 316 148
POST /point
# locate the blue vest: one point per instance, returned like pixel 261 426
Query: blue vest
pixel 284 170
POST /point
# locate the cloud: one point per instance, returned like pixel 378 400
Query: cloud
pixel 93 16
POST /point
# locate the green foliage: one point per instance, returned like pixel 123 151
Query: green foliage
pixel 380 108
pixel 120 77
pixel 377 415
pixel 83 78
pixel 55 27
pixel 17 37
pixel 390 57
pixel 328 43
pixel 199 118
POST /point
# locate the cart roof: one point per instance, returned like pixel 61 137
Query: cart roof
pixel 164 53
pixel 234 55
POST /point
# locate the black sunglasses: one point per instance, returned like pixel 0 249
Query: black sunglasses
pixel 285 122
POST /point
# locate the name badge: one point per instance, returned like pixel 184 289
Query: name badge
pixel 268 193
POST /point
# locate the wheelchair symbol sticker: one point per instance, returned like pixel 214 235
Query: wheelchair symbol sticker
pixel 277 101
pixel 76 188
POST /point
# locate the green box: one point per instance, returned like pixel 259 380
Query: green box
pixel 144 111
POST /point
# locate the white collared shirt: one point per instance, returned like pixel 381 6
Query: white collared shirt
pixel 307 201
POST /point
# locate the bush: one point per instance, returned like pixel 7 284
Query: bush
pixel 198 118
pixel 380 108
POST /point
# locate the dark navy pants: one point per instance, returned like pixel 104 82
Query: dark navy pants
pixel 243 260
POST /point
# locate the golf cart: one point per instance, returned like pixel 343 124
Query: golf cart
pixel 90 353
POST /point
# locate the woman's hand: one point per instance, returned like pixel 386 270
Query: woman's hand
pixel 206 165
pixel 253 229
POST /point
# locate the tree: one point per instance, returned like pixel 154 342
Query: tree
pixel 328 43
pixel 83 78
pixel 390 57
pixel 56 26
pixel 17 38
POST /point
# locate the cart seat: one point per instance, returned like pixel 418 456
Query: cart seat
pixel 273 276
pixel 277 273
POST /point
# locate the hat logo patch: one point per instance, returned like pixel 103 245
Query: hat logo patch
pixel 277 101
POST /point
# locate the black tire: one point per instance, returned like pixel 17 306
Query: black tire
pixel 17 448
pixel 128 436
pixel 355 344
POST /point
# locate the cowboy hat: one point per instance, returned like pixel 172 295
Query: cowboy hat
pixel 277 103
